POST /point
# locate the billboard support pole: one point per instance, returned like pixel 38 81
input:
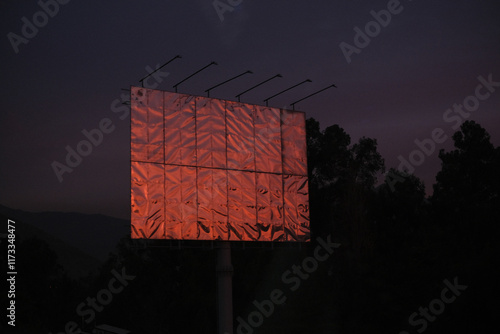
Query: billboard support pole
pixel 159 68
pixel 224 288
pixel 177 84
pixel 308 96
pixel 220 84
pixel 300 83
pixel 257 85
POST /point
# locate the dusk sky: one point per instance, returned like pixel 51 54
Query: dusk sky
pixel 395 87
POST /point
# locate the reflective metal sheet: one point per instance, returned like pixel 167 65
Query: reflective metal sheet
pixel 180 129
pixel 212 201
pixel 267 140
pixel 210 132
pixel 294 142
pixel 240 136
pixel 180 202
pixel 269 193
pixel 147 125
pixel 209 169
pixel 242 205
pixel 296 207
pixel 148 210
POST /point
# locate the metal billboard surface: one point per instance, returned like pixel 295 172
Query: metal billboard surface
pixel 210 169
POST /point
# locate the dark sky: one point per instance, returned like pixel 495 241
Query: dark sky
pixel 396 89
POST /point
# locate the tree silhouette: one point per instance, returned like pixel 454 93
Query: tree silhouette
pixel 342 178
pixel 43 290
pixel 468 186
pixel 402 201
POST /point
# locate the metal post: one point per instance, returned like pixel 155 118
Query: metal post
pixel 300 83
pixel 308 96
pixel 220 84
pixel 177 84
pixel 224 288
pixel 257 85
pixel 159 68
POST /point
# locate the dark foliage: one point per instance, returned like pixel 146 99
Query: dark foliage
pixel 397 249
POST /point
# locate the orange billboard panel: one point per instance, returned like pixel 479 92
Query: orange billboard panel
pixel 211 169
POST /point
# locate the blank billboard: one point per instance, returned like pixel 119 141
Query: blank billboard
pixel 211 169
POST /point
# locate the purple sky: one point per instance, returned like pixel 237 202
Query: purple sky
pixel 396 89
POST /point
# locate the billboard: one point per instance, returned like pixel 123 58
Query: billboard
pixel 211 169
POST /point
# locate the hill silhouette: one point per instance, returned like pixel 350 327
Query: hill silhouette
pixel 82 242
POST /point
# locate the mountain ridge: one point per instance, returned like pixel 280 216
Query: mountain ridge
pixel 82 242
